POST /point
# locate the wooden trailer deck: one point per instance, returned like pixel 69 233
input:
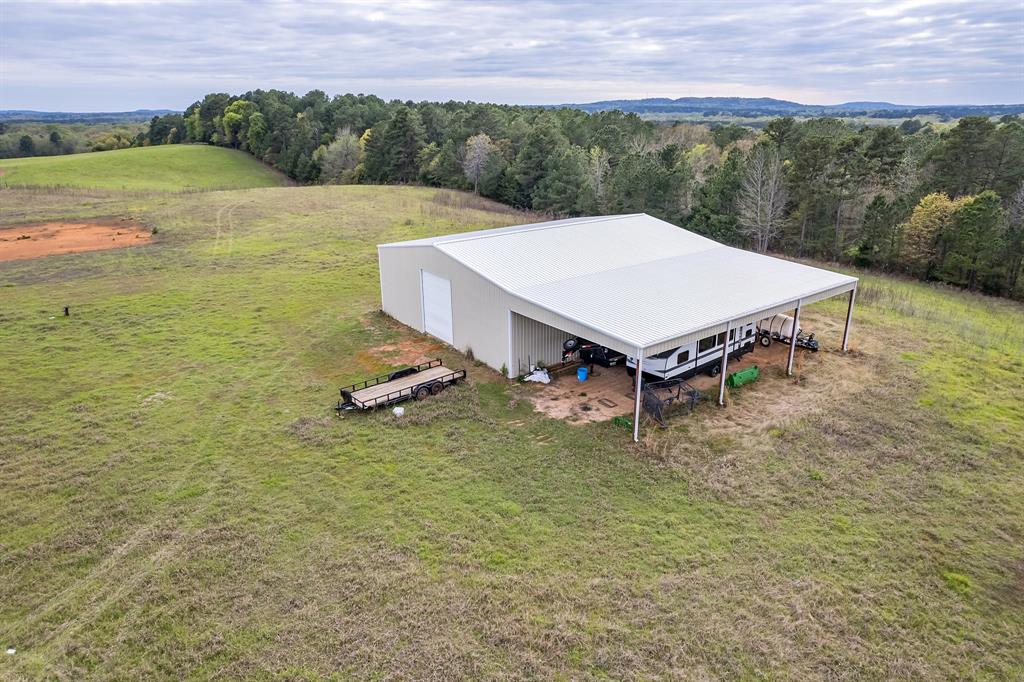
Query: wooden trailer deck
pixel 396 386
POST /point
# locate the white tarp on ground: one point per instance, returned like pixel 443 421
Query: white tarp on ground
pixel 541 376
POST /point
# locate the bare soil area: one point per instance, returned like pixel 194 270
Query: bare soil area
pixel 37 240
pixel 413 351
pixel 608 392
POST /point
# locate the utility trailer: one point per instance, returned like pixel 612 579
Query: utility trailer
pixel 417 382
pixel 780 328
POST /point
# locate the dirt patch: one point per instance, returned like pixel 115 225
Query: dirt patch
pixel 409 352
pixel 47 239
pixel 819 380
pixel 607 393
pixel 775 397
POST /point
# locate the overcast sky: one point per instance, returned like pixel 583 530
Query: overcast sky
pixel 119 55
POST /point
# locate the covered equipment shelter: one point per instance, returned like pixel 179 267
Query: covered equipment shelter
pixel 633 283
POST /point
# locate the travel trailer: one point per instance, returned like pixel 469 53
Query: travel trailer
pixel 704 355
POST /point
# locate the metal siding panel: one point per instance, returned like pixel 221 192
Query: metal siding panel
pixel 573 328
pixel 534 342
pixel 400 286
pixel 478 307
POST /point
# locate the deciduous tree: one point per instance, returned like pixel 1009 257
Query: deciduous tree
pixel 762 198
pixel 476 158
pixel 926 233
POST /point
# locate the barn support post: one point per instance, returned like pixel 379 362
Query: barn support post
pixel 792 339
pixel 725 365
pixel 508 368
pixel 639 389
pixel 849 320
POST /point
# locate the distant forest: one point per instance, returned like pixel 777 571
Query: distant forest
pixel 687 108
pixel 937 202
pixel 19 139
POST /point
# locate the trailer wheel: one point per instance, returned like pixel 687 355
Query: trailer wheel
pixel 436 388
pixel 765 340
pixel 421 393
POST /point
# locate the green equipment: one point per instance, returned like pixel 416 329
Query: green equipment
pixel 744 376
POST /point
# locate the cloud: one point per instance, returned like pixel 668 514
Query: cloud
pixel 128 54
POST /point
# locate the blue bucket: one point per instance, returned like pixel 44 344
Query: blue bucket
pixel 581 373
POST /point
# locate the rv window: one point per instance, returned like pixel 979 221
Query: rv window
pixel 732 334
pixel 664 354
pixel 721 339
pixel 683 357
pixel 750 332
pixel 707 343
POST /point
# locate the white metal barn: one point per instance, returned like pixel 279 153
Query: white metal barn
pixel 633 283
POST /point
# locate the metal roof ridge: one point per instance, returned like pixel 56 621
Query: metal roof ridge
pixel 534 227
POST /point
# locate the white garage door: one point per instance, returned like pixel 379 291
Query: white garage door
pixel 437 306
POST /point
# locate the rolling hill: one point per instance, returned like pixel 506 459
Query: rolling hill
pixel 163 168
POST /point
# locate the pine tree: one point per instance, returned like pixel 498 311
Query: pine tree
pixel 715 215
pixel 402 139
pixel 564 189
pixel 876 237
pixel 375 164
pixel 543 142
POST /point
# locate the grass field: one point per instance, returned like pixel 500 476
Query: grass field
pixel 162 168
pixel 180 502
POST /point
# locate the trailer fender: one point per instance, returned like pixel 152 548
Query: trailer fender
pixel 399 374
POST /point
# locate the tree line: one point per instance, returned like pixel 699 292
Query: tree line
pixel 52 139
pixel 938 202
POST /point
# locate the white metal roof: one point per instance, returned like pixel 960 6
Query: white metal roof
pixel 635 278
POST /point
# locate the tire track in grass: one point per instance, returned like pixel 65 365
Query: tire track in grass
pixel 227 219
pixel 148 549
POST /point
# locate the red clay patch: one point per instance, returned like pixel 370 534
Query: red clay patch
pixel 409 352
pixel 47 239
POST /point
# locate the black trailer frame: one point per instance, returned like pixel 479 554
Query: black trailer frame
pixel 406 385
pixel 807 341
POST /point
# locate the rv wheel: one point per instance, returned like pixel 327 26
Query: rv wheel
pixel 714 370
pixel 421 393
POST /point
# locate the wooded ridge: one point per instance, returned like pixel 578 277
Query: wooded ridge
pixel 938 202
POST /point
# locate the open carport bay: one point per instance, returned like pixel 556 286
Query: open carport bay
pixel 608 391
